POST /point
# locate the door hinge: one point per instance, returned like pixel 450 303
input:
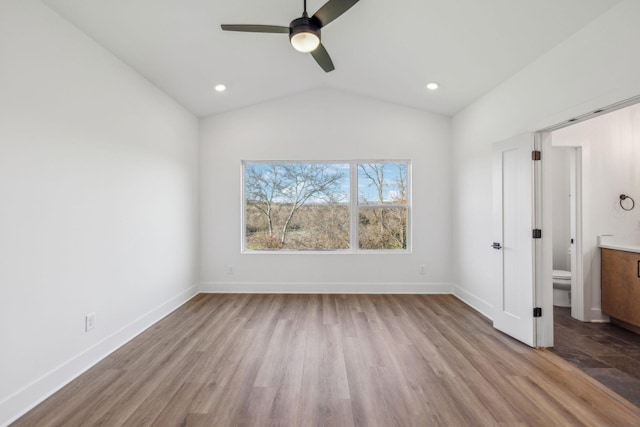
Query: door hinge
pixel 536 155
pixel 537 312
pixel 537 233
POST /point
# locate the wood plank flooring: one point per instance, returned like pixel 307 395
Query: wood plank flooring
pixel 330 360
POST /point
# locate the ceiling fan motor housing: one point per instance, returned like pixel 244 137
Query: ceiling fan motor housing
pixel 304 25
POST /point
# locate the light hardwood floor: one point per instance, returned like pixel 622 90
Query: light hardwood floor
pixel 340 360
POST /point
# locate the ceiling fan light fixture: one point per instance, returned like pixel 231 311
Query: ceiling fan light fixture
pixel 304 36
pixel 305 42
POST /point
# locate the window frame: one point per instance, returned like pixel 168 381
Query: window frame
pixel 354 206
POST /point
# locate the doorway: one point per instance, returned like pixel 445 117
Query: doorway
pixel 565 175
pixel 606 145
pixel 586 171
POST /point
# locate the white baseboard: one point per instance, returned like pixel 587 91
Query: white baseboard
pixel 324 288
pixel 31 395
pixel 597 316
pixel 478 304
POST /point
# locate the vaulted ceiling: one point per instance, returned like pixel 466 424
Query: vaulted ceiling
pixel 387 50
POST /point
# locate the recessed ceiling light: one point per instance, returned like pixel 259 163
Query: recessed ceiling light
pixel 433 86
pixel 220 88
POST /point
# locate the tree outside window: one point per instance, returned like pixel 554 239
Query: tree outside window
pixel 382 205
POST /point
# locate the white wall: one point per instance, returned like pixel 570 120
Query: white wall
pixel 560 200
pixel 98 203
pixel 610 146
pixel 319 125
pixel 610 167
pixel 593 68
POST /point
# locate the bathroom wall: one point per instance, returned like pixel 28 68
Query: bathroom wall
pixel 560 199
pixel 610 167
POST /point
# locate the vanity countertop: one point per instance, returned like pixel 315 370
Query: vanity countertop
pixel 611 242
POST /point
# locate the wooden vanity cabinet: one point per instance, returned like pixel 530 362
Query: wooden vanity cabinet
pixel 620 282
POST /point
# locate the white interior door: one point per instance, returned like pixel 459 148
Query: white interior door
pixel 513 222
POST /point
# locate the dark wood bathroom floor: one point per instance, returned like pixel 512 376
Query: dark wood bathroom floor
pixel 606 352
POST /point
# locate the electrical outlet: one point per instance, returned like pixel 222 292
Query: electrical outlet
pixel 230 269
pixel 422 269
pixel 89 321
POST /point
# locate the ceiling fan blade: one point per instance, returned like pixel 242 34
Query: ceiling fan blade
pixel 256 28
pixel 332 10
pixel 323 59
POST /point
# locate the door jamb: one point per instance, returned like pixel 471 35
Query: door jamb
pixel 578 294
pixel 543 259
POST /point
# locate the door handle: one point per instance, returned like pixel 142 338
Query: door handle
pixel 496 245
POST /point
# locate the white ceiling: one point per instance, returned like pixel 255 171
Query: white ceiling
pixel 382 49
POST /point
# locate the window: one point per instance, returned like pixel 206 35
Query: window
pixel 382 205
pixel 326 206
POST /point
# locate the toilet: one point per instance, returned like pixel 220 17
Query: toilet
pixel 561 288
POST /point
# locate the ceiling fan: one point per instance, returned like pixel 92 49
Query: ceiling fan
pixel 304 32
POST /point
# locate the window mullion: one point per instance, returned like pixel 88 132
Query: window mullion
pixel 353 181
